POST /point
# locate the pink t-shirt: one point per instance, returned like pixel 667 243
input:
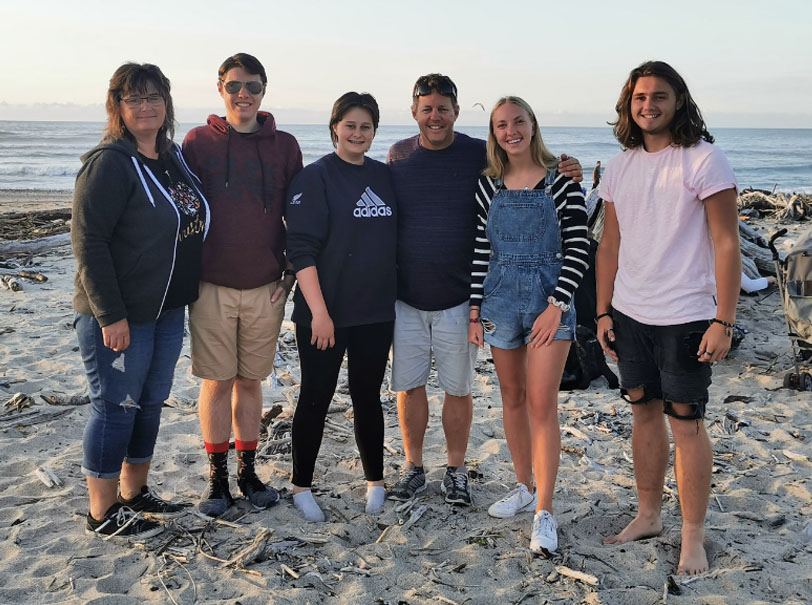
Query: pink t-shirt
pixel 665 270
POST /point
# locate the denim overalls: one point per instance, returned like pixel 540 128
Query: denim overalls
pixel 525 262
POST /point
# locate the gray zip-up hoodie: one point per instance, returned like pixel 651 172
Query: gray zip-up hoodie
pixel 124 233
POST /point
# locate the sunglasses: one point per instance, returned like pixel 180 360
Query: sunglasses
pixel 443 86
pixel 152 100
pixel 232 87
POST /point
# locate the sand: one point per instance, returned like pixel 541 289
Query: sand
pixel 760 505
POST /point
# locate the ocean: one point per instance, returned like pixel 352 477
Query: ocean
pixel 45 155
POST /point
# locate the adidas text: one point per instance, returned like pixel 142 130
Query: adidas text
pixel 370 205
pixel 374 211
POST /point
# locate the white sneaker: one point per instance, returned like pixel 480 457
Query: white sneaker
pixel 520 500
pixel 544 537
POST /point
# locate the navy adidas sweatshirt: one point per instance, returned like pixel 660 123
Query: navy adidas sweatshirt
pixel 342 219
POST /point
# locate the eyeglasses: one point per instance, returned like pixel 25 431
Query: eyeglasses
pixel 444 86
pixel 152 100
pixel 232 87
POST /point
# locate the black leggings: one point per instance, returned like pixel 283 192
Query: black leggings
pixel 367 349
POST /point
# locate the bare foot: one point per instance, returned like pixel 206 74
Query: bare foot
pixel 693 559
pixel 638 529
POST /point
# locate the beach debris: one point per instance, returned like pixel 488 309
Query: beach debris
pixel 18 402
pixel 484 537
pixel 183 404
pixel 415 516
pixel 794 456
pixel 589 463
pixel 783 206
pixel 11 283
pixel 48 477
pixel 63 399
pixel 35 223
pixel 24 419
pixel 33 276
pixel 732 422
pixel 576 433
pixel 383 534
pixel 577 575
pixel 252 552
pixel 356 570
pixel 285 569
pixel 671 588
pixel 271 413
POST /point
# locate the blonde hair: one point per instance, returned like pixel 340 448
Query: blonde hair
pixel 497 158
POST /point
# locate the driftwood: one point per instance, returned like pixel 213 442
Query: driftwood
pixel 757 260
pixel 36 223
pixel 34 246
pixel 783 206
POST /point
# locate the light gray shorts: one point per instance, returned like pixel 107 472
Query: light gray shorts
pixel 419 334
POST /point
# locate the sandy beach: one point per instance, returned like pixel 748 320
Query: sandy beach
pixel 761 500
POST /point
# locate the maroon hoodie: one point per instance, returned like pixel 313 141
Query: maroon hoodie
pixel 244 178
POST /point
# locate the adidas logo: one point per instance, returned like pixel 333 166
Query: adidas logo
pixel 370 205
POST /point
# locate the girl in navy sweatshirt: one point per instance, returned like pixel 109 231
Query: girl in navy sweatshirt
pixel 341 218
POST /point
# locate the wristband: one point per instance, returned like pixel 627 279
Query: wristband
pixel 600 316
pixel 557 303
pixel 473 320
pixel 289 273
pixel 728 326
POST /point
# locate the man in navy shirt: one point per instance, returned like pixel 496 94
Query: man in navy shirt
pixel 435 175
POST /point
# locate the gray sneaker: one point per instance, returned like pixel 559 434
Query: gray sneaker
pixel 455 486
pixel 260 496
pixel 412 481
pixel 216 499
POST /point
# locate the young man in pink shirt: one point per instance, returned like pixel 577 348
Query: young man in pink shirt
pixel 668 271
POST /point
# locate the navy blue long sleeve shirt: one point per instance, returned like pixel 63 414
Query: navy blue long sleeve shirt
pixel 436 219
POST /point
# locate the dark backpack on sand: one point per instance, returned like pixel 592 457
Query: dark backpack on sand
pixel 586 360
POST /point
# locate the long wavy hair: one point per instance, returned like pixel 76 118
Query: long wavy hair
pixel 133 79
pixel 687 127
pixel 497 157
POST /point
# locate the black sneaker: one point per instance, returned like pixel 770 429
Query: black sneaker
pixel 259 495
pixel 412 481
pixel 455 486
pixel 216 499
pixel 122 522
pixel 147 502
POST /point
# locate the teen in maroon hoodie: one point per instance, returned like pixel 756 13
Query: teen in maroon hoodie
pixel 245 165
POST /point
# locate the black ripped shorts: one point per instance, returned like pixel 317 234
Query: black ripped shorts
pixel 663 360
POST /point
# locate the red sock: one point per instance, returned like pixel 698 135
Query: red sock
pixel 217 448
pixel 246 445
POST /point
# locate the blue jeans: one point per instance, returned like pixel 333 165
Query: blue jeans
pixel 127 390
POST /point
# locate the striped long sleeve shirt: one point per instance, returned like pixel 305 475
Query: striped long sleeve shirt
pixel 572 219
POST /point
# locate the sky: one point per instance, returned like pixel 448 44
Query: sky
pixel 747 63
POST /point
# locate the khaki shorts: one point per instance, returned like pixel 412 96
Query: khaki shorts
pixel 234 332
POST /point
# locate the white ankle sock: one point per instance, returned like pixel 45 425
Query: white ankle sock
pixel 376 495
pixel 304 502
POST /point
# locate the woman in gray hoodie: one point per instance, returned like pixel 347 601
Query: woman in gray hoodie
pixel 139 220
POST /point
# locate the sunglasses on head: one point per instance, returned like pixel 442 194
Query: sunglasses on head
pixel 232 87
pixel 443 86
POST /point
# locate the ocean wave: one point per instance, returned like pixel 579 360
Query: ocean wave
pixel 27 171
